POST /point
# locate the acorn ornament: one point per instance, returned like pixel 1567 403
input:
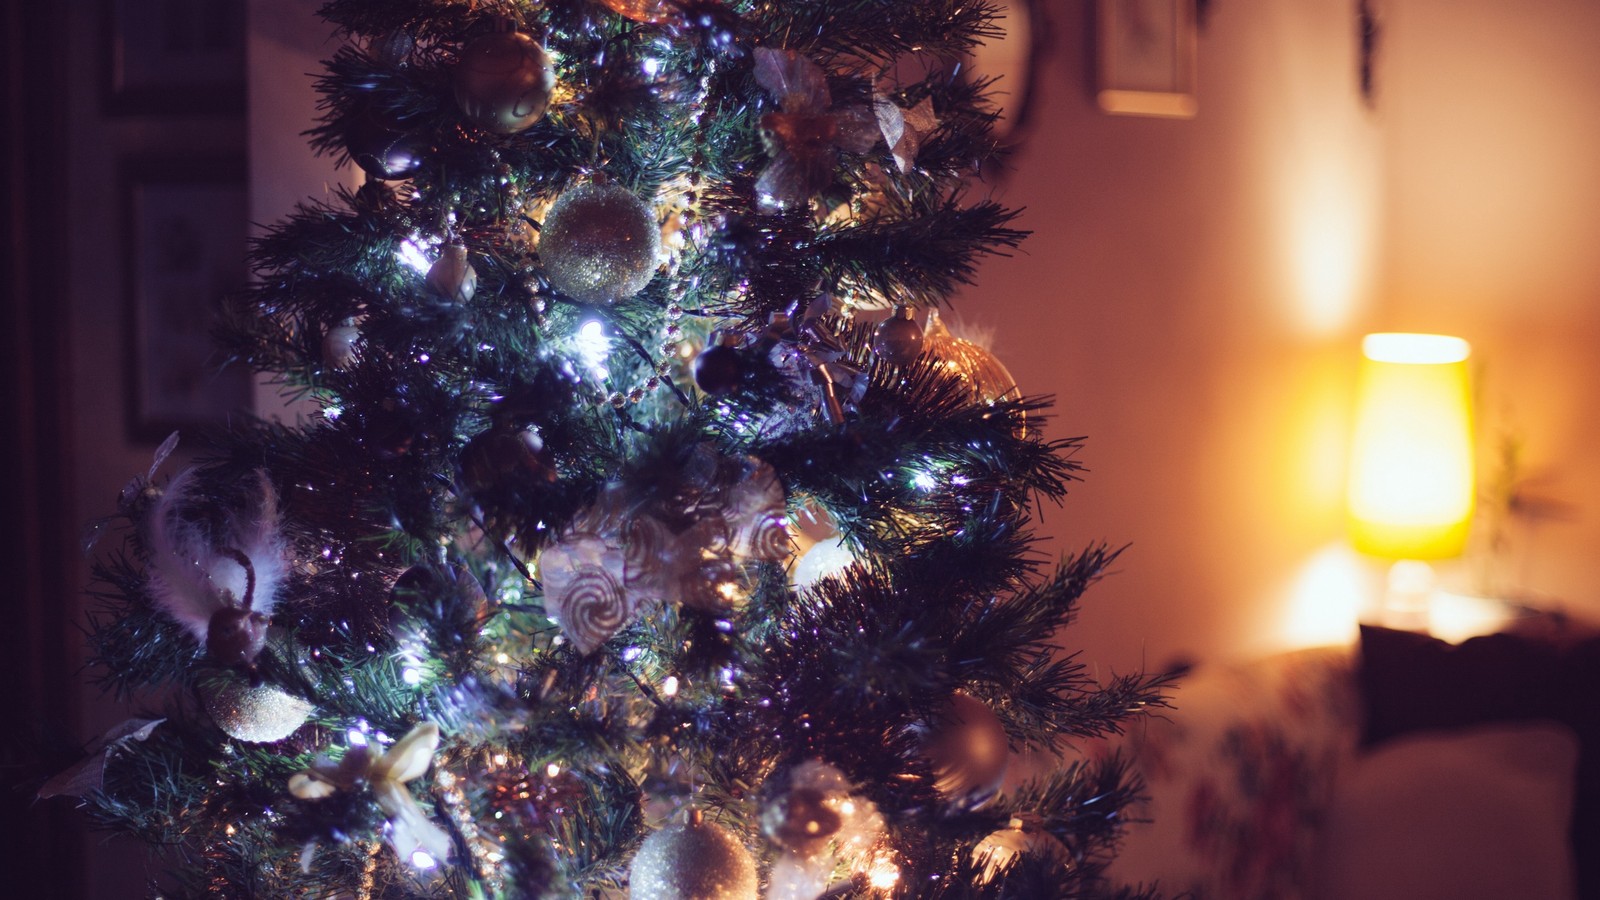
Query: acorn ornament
pixel 692 860
pixel 451 276
pixel 259 714
pixel 898 339
pixel 967 748
pixel 503 81
pixel 599 243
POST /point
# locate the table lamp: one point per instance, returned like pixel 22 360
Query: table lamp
pixel 1411 488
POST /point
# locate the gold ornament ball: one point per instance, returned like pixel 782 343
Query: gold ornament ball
pixel 968 750
pixel 801 820
pixel 503 81
pixel 996 851
pixel 692 861
pixel 599 243
pixel 984 375
pixel 259 714
pixel 653 12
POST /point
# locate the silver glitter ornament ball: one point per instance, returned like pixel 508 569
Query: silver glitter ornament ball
pixel 599 243
pixel 260 714
pixel 693 860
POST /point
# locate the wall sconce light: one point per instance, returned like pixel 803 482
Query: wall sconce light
pixel 1411 467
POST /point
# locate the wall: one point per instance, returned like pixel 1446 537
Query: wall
pixel 100 454
pixel 1195 291
pixel 1190 296
pixel 1494 220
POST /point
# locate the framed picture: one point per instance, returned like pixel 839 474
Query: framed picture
pixel 1146 56
pixel 185 243
pixel 179 57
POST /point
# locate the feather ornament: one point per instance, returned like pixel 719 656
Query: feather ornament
pixel 218 583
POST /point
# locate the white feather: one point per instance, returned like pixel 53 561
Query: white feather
pixel 191 580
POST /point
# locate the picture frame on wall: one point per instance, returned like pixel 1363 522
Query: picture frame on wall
pixel 186 238
pixel 173 57
pixel 1146 57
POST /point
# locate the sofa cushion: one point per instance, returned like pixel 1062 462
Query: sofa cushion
pixel 1412 682
pixel 1474 814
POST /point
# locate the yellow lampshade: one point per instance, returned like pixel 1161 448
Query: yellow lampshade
pixel 1411 467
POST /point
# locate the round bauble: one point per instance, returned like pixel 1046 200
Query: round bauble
pixel 693 860
pixel 967 748
pixel 599 243
pixel 260 714
pixel 653 12
pixel 503 81
pixel 996 851
pixel 802 820
pixel 450 599
pixel 339 344
pixel 382 147
pixel 502 455
pixel 979 369
pixel 392 48
pixel 898 339
pixel 719 369
pixel 451 276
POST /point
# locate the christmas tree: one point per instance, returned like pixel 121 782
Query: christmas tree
pixel 651 536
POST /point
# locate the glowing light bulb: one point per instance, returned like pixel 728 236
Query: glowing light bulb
pixel 413 256
pixel 882 872
pixel 593 346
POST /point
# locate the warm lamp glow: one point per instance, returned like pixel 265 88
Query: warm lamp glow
pixel 1411 467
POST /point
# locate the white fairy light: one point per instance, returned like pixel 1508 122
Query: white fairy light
pixel 882 872
pixel 413 256
pixel 422 859
pixel 593 346
pixel 669 686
